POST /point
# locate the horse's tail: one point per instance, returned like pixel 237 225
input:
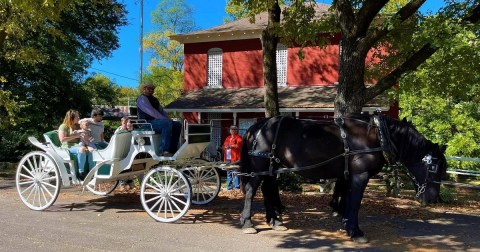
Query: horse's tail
pixel 245 166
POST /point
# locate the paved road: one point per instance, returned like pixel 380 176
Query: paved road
pixel 84 222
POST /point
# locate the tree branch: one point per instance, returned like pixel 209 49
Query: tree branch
pixel 367 14
pixel 403 14
pixel 346 16
pixel 415 60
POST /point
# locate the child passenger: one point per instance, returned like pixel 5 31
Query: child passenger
pixel 86 139
pixel 126 125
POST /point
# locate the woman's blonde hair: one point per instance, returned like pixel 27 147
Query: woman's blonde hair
pixel 70 118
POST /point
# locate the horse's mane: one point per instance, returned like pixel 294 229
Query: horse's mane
pixel 409 137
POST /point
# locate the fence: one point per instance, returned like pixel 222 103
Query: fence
pixel 463 171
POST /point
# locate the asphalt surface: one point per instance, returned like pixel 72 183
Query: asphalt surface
pixel 80 221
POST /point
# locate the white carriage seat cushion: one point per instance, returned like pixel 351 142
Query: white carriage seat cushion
pixel 51 137
pixel 117 148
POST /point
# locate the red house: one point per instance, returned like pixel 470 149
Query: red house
pixel 223 77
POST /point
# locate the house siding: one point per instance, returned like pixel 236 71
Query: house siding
pixel 242 64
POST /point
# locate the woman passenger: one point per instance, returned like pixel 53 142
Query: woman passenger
pixel 69 134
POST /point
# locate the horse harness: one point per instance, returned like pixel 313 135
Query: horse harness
pixel 275 161
pixel 387 147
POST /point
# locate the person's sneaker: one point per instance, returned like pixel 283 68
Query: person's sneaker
pixel 167 154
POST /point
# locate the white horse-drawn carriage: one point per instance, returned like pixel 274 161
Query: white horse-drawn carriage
pixel 169 185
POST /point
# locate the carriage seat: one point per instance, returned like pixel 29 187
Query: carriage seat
pixel 117 149
pixel 51 138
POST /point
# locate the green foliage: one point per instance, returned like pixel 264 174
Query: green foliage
pixel 448 195
pixel 127 96
pixel 235 12
pixel 169 18
pixel 442 96
pixel 9 109
pixel 14 144
pixel 169 84
pixel 45 48
pixel 290 182
pixel 101 90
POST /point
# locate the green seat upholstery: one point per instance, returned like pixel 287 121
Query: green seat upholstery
pixel 53 135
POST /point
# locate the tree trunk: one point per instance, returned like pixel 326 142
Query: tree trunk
pixel 351 88
pixel 269 46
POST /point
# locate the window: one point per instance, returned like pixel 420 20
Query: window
pixel 282 53
pixel 214 68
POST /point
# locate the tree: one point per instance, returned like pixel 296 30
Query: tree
pixel 169 18
pixel 101 90
pixel 360 35
pixel 168 83
pixel 442 97
pixel 127 96
pixel 235 12
pixel 358 23
pixel 17 19
pixel 269 39
pixel 46 80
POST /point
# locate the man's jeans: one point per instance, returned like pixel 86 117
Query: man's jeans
pixel 168 130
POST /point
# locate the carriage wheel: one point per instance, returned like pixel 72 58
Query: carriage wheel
pixel 205 183
pixel 101 188
pixel 37 180
pixel 165 194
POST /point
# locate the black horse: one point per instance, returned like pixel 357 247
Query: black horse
pixel 353 149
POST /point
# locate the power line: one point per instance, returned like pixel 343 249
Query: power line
pixel 114 74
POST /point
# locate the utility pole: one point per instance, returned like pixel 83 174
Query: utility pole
pixel 141 41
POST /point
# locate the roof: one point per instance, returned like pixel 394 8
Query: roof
pixel 239 29
pixel 291 99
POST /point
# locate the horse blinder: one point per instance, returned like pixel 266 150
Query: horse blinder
pixel 432 164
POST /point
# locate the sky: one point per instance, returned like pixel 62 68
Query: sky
pixel 123 67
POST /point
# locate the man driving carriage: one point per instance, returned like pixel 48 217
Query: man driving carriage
pixel 149 108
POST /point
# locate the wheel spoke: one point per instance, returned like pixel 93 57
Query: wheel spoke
pixel 153 198
pixel 169 209
pixel 178 200
pixel 46 189
pixel 30 171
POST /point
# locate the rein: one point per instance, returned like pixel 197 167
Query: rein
pixel 273 159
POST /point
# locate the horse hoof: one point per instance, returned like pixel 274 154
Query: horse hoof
pixel 335 214
pixel 249 230
pixel 279 228
pixel 360 239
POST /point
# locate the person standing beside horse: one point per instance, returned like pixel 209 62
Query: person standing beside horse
pixel 231 154
pixel 149 108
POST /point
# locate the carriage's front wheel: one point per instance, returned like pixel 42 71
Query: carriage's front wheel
pixel 165 194
pixel 37 180
pixel 205 183
pixel 101 188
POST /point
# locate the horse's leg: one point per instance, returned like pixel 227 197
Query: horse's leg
pixel 358 183
pixel 338 197
pixel 250 188
pixel 271 199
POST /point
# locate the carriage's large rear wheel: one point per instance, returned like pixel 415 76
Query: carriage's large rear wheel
pixel 205 183
pixel 101 188
pixel 37 180
pixel 165 194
